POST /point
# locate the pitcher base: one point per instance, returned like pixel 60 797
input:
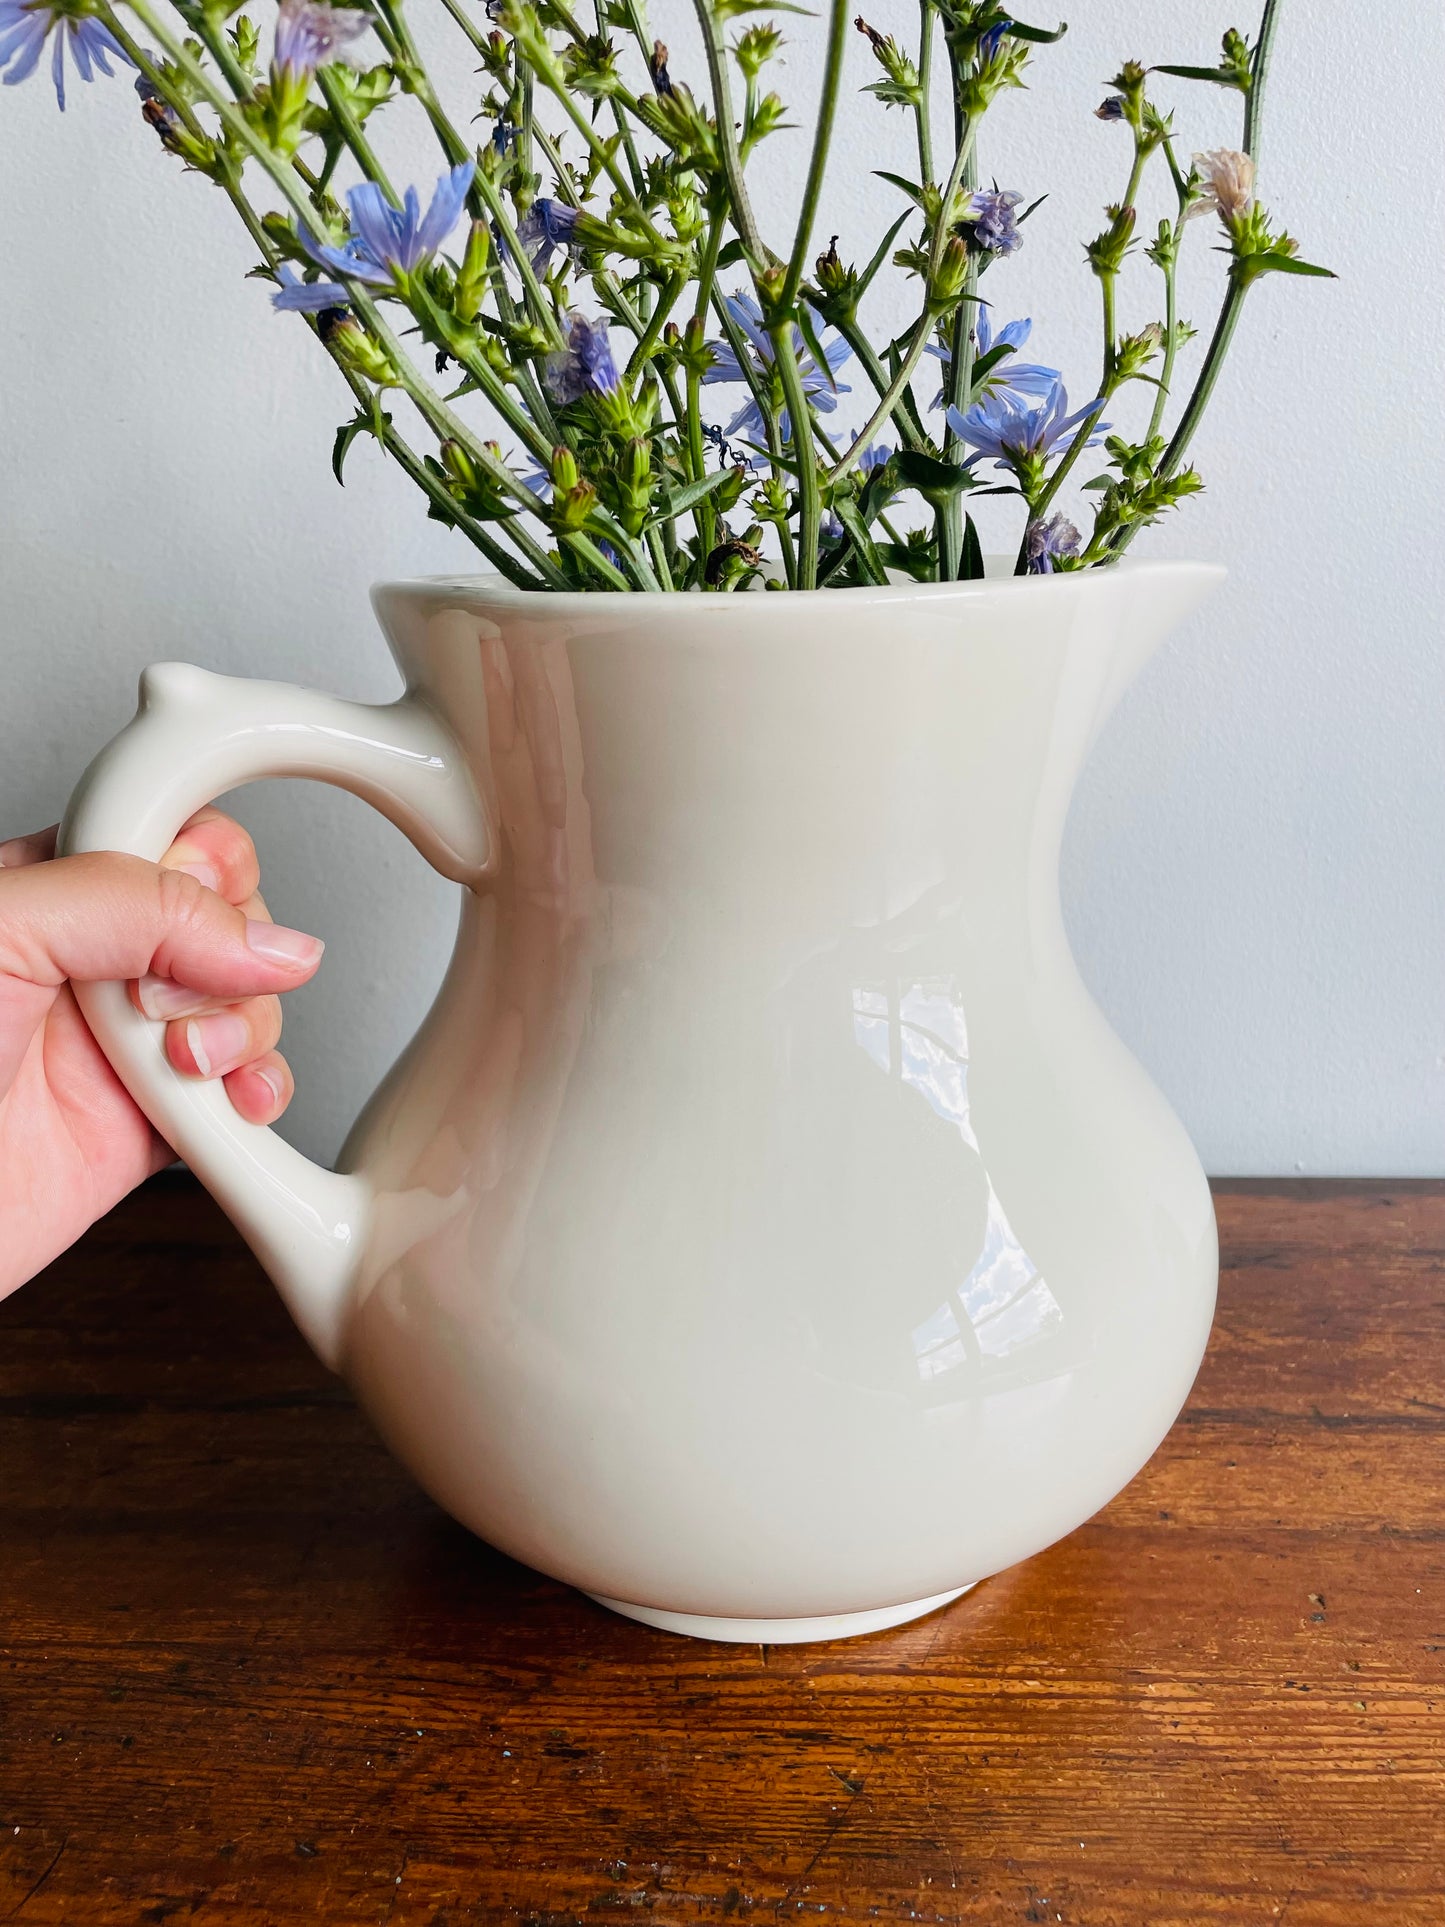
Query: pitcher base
pixel 782 1632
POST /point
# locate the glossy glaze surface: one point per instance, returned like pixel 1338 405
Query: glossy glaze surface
pixel 765 1223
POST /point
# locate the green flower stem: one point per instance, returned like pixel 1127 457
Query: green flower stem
pixel 391 439
pixel 555 82
pixel 235 124
pixel 567 192
pixel 957 393
pixel 543 311
pixel 647 343
pixel 146 66
pixel 1171 331
pixel 445 424
pixel 800 419
pixel 707 264
pixel 888 401
pixel 397 40
pixel 905 415
pixel 1254 99
pixel 619 114
pixel 703 516
pixel 743 354
pixel 817 165
pixel 744 220
pixel 212 37
pixel 439 417
pixel 431 486
pixel 1107 284
pixel 340 110
pixel 958 377
pixel 1229 312
pixel 922 113
pixel 1208 375
pixel 587 551
pixel 633 552
pixel 658 551
pixel 1039 504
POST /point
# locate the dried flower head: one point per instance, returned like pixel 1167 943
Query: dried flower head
pixel 309 33
pixel 1226 183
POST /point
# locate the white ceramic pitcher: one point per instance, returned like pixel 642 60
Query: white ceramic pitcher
pixel 764 1232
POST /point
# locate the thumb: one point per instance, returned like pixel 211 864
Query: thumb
pixel 106 916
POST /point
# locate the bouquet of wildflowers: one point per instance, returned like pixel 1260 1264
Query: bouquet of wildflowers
pixel 582 346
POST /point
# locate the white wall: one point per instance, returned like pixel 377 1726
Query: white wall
pixel 1253 872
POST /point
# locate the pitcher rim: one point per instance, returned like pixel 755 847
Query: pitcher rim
pixel 497 590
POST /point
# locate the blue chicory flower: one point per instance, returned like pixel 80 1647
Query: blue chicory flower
pixel 25 25
pixel 830 529
pixel 874 456
pixel 989 43
pixel 585 366
pixel 388 241
pixel 537 479
pixel 990 224
pixel 1009 426
pixel 1110 109
pixel 546 226
pixel 819 385
pixel 296 296
pixel 309 33
pixel 1021 377
pixel 1046 543
pixel 505 136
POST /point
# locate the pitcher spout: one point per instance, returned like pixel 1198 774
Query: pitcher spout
pixel 1154 598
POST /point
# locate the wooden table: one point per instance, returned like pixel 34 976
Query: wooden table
pixel 249 1675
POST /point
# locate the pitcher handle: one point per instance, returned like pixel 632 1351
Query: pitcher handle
pixel 195 736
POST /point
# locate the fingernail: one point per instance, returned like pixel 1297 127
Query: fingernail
pixel 202 871
pixel 274 1083
pixel 219 1042
pixel 164 998
pixel 277 944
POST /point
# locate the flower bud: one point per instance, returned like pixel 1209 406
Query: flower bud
pixel 472 276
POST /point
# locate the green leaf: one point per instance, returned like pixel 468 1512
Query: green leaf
pixel 733 9
pixel 815 348
pixel 1040 35
pixel 970 562
pixel 878 491
pixel 360 424
pixel 678 501
pixel 846 510
pixel 882 255
pixel 986 364
pixel 930 475
pixel 911 188
pixel 729 256
pixel 1221 76
pixel 908 561
pixel 1288 264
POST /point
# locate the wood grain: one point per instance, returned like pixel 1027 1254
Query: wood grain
pixel 248 1675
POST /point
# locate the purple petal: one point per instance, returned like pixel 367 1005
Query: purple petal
pixel 446 206
pixel 308 297
pixel 57 69
pixel 28 38
pixel 374 221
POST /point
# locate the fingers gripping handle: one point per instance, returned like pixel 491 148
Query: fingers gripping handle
pixel 196 735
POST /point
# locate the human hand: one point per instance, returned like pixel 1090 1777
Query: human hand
pixel 195 940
